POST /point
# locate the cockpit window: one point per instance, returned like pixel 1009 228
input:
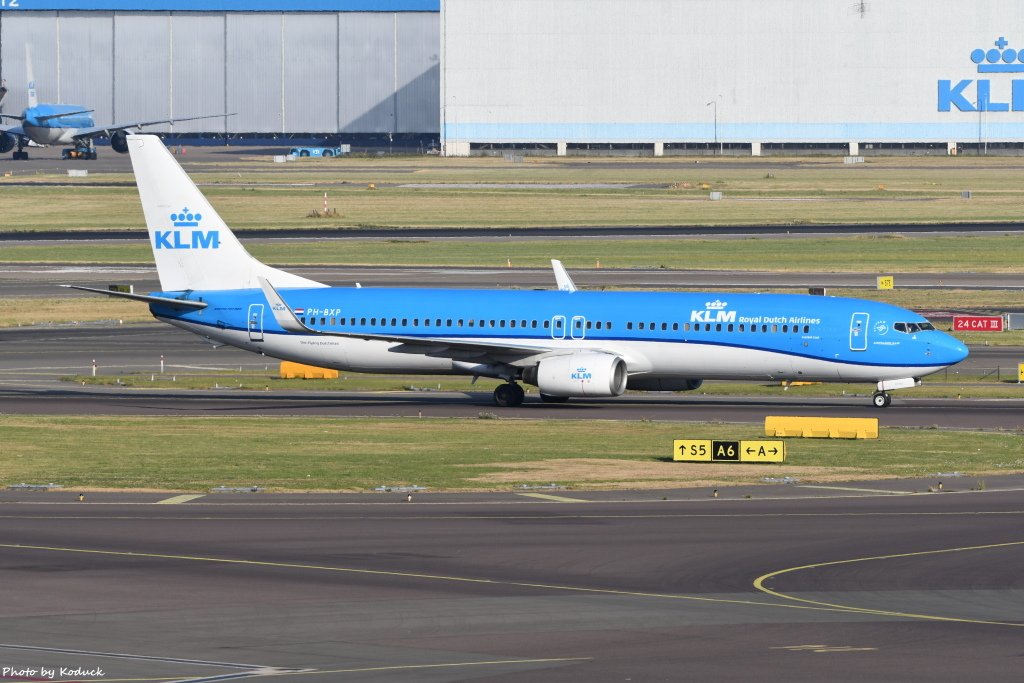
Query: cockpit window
pixel 911 328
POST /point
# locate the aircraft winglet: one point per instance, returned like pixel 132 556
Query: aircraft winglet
pixel 565 283
pixel 282 314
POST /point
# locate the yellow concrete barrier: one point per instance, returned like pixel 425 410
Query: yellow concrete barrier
pixel 291 370
pixel 822 427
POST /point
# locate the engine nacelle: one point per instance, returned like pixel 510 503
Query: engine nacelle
pixel 119 141
pixel 641 383
pixel 7 142
pixel 579 374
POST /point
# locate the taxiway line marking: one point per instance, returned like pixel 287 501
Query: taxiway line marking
pixel 557 499
pixel 760 581
pixel 858 490
pixel 448 665
pixel 177 500
pixel 414 575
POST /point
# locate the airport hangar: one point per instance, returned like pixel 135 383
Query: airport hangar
pixel 555 76
pixel 354 70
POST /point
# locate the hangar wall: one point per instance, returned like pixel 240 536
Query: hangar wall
pixel 734 71
pixel 347 72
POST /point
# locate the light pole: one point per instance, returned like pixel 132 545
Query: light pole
pixel 714 105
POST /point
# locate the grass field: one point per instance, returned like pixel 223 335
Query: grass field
pixel 177 453
pixel 671 192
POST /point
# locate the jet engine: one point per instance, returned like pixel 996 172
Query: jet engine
pixel 579 374
pixel 7 142
pixel 641 383
pixel 119 141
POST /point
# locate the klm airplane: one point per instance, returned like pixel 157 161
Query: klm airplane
pixel 568 343
pixel 65 124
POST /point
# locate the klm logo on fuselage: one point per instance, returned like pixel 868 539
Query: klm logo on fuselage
pixel 581 375
pixel 192 239
pixel 977 95
pixel 714 312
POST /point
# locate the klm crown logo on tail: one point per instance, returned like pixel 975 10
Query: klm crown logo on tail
pixel 176 239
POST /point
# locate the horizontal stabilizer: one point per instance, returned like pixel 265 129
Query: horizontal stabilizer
pixel 182 304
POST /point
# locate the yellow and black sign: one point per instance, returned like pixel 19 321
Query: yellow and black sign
pixel 886 281
pixel 1020 372
pixel 706 450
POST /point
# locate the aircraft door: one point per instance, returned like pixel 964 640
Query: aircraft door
pixel 579 327
pixel 558 327
pixel 859 332
pixel 256 322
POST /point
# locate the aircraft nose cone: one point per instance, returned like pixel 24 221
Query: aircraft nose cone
pixel 952 351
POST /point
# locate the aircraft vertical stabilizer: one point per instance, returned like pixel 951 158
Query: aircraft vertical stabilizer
pixel 194 249
pixel 30 82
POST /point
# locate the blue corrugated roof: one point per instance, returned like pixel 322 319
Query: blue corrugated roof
pixel 229 5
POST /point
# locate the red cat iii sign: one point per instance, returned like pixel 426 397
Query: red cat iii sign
pixel 978 323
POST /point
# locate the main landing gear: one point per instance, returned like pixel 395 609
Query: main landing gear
pixel 509 395
pixel 881 399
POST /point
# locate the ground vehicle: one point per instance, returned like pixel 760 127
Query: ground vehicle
pixel 320 151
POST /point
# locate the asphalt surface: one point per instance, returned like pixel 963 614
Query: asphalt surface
pixel 33 361
pixel 792 584
pixel 42 280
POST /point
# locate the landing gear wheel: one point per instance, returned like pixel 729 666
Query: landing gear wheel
pixel 508 395
pixel 881 399
pixel 548 398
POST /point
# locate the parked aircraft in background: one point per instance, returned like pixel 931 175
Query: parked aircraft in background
pixel 66 124
pixel 566 342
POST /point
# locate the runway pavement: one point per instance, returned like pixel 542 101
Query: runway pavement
pixel 42 280
pixel 794 584
pixel 33 361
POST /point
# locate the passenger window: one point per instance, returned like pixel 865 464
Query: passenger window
pixel 437 323
pixel 332 322
pixel 675 327
pixel 512 323
pixel 501 323
pixel 664 326
pixel 742 328
pixel 608 325
pixel 718 327
pixel 449 322
pixel 686 327
pixel 352 321
pixel 785 328
pixel 775 328
pixel 641 326
pixel 362 321
pixel 730 327
pixel 302 320
pixel 533 324
pixel 522 323
pixel 707 327
pixel 629 326
pixel 578 324
pixel 405 322
pixel 807 328
pixel 589 325
pixel 426 322
pixel 460 322
pixel 415 322
pixel 547 324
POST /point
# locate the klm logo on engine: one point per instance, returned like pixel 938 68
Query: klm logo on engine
pixel 714 312
pixel 977 95
pixel 581 375
pixel 192 239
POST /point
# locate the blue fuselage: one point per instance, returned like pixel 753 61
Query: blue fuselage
pixel 699 335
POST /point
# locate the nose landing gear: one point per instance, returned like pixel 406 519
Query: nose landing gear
pixel 508 395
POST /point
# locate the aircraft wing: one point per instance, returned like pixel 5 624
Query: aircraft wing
pixel 430 346
pixel 13 130
pixel 113 128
